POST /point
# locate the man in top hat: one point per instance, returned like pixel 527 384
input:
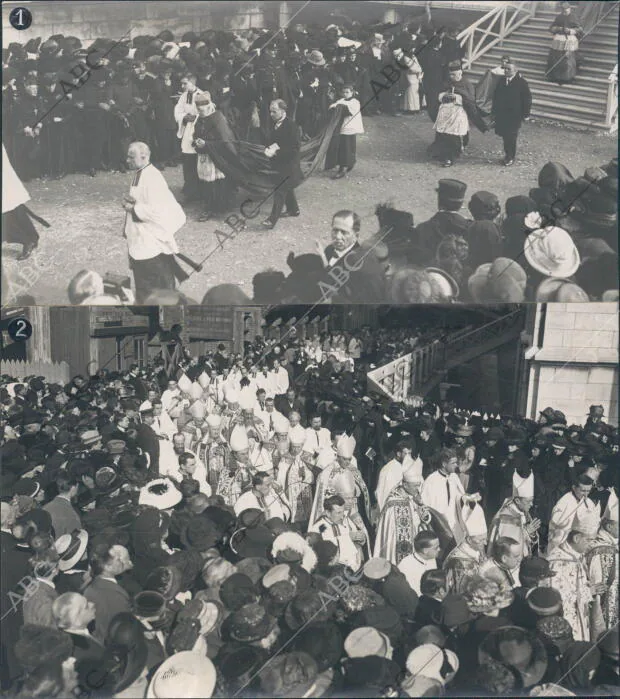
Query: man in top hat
pixel 596 414
pixel 467 557
pixel 575 503
pixel 602 561
pixel 572 580
pixel 513 518
pixel 152 218
pixel 283 151
pixel 447 220
pixel 296 479
pixel 337 526
pixel 512 102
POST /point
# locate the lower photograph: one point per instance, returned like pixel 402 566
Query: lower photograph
pixel 309 501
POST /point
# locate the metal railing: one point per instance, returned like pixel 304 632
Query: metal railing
pixel 611 109
pixel 493 27
pixel 406 375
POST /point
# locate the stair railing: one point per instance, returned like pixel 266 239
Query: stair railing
pixel 493 27
pixel 611 110
pixel 402 377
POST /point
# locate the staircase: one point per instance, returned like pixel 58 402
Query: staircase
pixel 582 103
pixel 417 373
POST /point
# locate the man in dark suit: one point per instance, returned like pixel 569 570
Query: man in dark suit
pixel 290 403
pixel 447 220
pixel 148 441
pixel 64 516
pixel 108 561
pixel 512 102
pixel 284 154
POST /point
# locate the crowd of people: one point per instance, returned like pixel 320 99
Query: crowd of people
pixel 263 526
pixel 558 243
pixel 260 112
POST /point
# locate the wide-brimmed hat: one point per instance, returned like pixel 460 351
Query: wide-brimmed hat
pixel 433 662
pixel 502 281
pixel 126 642
pixel 447 284
pixel 187 675
pixel 316 58
pixel 377 568
pixel 560 291
pixel 552 252
pixel 71 548
pixel 160 493
pixel 484 595
pixel 536 568
pixel 519 649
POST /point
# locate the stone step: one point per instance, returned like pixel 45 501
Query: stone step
pixel 530 45
pixel 536 69
pixel 599 125
pixel 599 35
pixel 592 65
pixel 563 107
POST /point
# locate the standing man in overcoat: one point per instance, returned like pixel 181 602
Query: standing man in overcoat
pixel 512 102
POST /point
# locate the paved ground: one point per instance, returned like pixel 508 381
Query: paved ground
pixel 87 218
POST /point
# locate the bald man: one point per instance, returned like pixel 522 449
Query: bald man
pixel 153 217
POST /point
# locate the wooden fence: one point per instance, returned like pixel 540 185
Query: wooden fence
pixel 52 371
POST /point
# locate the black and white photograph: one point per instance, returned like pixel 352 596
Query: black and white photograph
pixel 309 501
pixel 187 153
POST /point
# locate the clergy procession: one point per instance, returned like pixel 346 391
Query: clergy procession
pixel 269 526
pixel 250 116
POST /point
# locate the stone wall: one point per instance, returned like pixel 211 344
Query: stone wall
pixel 89 20
pixel 576 364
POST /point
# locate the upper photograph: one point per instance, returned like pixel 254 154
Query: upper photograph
pixel 235 153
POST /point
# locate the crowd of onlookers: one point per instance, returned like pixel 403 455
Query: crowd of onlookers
pixel 264 526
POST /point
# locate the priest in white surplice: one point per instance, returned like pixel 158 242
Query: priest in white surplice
pixel 152 218
pixel 391 474
pixel 443 490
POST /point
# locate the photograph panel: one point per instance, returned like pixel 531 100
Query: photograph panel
pixel 342 500
pixel 309 152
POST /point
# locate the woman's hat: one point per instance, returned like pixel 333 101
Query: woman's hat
pixel 552 252
pixel 433 662
pixel 160 493
pixel 250 623
pixel 71 548
pixel 316 58
pixel 126 640
pixel 289 675
pixel 502 281
pixel 447 284
pixel 517 648
pixel 187 675
pixel 552 290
